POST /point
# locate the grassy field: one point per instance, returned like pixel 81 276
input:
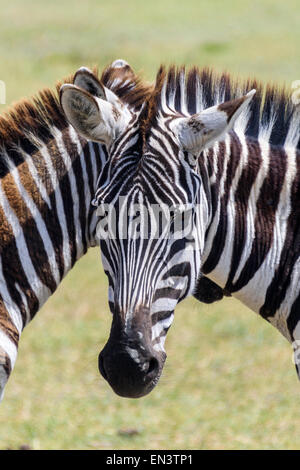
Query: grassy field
pixel 229 381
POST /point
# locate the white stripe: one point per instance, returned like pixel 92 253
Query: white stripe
pixel 93 161
pixel 200 105
pixel 163 304
pixel 215 153
pixel 183 97
pixel 265 128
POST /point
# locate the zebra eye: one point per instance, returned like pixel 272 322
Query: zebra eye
pixel 175 212
pixel 192 159
pixel 172 215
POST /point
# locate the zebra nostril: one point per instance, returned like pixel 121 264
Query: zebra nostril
pixel 153 366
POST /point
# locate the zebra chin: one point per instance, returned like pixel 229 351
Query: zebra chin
pixel 129 362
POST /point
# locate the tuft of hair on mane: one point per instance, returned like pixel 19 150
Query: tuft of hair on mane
pixel 197 89
pixel 128 86
pixel 153 102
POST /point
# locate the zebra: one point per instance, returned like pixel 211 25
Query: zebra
pixel 227 159
pixel 48 177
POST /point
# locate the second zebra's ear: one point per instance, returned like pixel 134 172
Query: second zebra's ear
pixel 201 130
pixel 85 79
pixel 94 118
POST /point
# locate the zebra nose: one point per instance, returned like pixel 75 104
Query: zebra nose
pixel 150 367
pixel 130 377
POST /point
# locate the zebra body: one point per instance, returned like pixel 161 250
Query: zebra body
pixel 228 162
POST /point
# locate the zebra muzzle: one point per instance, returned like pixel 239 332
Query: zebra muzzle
pixel 129 364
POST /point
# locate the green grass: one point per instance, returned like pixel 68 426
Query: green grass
pixel 229 381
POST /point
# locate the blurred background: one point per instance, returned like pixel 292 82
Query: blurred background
pixel 229 381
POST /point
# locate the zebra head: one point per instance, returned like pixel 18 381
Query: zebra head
pixel 153 213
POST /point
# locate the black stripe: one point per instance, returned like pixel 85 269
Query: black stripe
pixel 167 292
pixel 160 316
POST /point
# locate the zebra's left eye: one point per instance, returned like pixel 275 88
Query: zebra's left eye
pixel 192 159
pixel 175 212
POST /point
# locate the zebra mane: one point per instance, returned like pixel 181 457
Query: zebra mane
pixel 127 86
pixel 31 120
pixel 271 113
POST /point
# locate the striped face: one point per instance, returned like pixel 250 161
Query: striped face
pixel 146 206
pixel 153 213
pixel 148 255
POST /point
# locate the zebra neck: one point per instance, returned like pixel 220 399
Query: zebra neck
pixel 252 189
pixel 47 222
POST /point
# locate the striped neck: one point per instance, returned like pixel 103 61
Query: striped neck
pixel 251 238
pixel 47 221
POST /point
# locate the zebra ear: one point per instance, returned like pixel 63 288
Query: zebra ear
pixel 203 129
pixel 85 79
pixel 92 117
